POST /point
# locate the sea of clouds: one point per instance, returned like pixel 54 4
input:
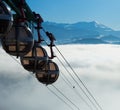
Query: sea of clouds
pixel 98 66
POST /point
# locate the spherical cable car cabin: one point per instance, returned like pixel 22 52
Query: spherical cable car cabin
pixel 6 19
pixel 19 40
pixel 49 74
pixel 36 59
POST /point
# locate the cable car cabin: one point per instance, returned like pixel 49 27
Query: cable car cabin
pixel 49 74
pixel 36 59
pixel 19 41
pixel 6 19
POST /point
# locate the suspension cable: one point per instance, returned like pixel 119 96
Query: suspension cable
pixel 81 82
pixel 66 70
pixel 75 90
pixel 69 83
pixel 66 97
pixel 66 80
pixel 60 98
pixel 77 82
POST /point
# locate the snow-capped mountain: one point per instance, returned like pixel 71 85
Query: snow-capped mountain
pixel 83 32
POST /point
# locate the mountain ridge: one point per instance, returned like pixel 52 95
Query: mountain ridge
pixel 82 31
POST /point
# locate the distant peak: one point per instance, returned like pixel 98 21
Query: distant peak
pixel 81 24
pixel 95 22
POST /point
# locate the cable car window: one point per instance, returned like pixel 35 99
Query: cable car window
pixel 26 62
pixel 29 54
pixel 21 48
pixel 52 66
pixel 12 48
pixel 39 52
pixel 3 24
pixel 53 75
pixel 23 43
pixel 1 10
pixel 40 75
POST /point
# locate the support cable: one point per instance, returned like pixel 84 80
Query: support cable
pixel 66 80
pixel 76 81
pixel 66 71
pixel 81 83
pixel 60 98
pixel 66 97
pixel 75 90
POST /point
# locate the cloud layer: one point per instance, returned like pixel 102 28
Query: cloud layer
pixel 97 65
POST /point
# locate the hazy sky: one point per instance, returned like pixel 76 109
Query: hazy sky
pixel 71 11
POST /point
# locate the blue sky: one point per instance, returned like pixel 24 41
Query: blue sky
pixel 71 11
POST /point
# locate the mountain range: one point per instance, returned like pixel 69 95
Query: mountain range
pixel 83 33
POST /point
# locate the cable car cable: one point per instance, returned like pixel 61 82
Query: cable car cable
pixel 80 81
pixel 79 86
pixel 60 98
pixel 65 69
pixel 70 84
pixel 66 97
pixel 75 90
pixel 66 80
